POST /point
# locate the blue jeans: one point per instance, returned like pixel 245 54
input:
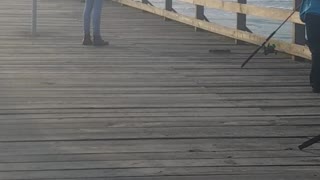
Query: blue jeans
pixel 92 7
pixel 313 29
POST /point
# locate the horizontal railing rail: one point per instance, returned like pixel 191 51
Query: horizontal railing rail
pixel 241 33
pixel 264 12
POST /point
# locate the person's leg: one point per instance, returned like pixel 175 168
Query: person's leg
pixel 315 72
pixel 86 21
pixel 87 15
pixel 313 35
pixel 97 9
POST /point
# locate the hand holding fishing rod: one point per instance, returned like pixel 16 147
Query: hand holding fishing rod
pixel 267 40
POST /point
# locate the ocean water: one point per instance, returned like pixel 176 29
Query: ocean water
pixel 257 25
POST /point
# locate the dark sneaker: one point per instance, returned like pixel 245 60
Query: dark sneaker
pixel 98 41
pixel 87 40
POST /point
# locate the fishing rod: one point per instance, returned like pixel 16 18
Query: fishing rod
pixel 309 142
pixel 270 36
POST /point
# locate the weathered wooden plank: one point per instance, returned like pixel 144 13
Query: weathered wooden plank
pixel 151 112
pixel 152 146
pixel 255 155
pixel 164 172
pixel 210 177
pixel 163 103
pixel 156 104
pixel 107 134
pixel 183 163
pixel 145 122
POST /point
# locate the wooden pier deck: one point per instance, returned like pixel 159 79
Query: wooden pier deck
pixel 155 104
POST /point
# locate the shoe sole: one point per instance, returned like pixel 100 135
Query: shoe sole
pixel 100 44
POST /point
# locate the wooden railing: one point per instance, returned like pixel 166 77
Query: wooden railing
pixel 240 33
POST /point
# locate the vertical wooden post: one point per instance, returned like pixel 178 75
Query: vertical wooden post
pixel 298 32
pixel 241 21
pixel 199 14
pixel 34 17
pixel 168 5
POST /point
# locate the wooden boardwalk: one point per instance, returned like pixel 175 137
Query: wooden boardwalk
pixel 153 105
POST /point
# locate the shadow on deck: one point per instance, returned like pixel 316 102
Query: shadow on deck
pixel 153 105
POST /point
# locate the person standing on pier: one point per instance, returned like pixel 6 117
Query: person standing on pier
pixel 310 14
pixel 94 8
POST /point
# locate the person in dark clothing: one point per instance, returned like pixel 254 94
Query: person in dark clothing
pixel 310 14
